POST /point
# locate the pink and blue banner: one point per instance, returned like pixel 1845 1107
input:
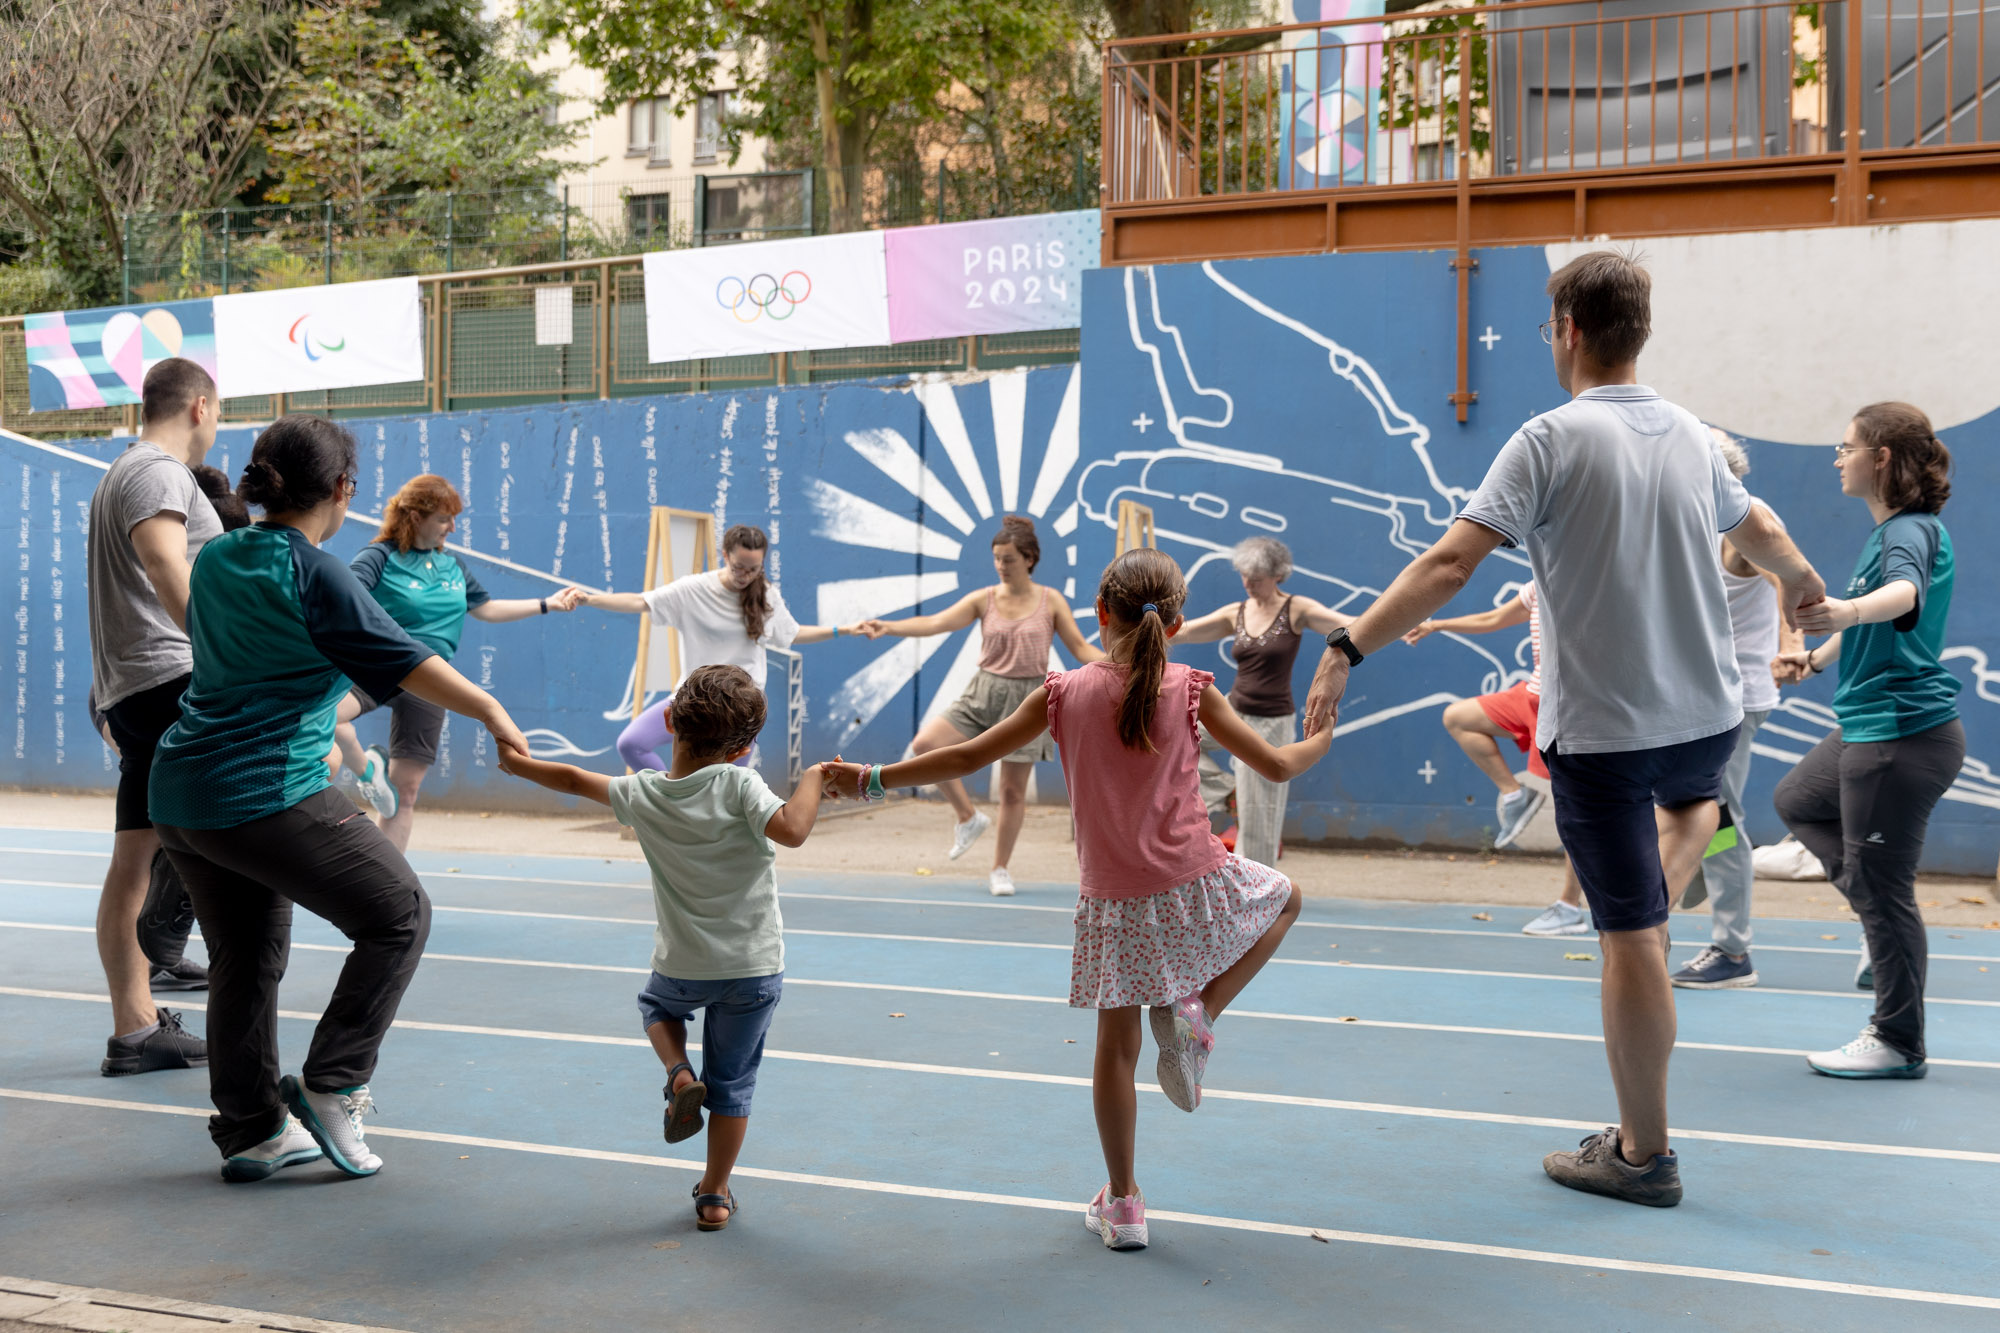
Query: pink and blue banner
pixel 1005 275
pixel 99 358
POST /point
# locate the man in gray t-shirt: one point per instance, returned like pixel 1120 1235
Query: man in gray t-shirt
pixel 148 520
pixel 1618 497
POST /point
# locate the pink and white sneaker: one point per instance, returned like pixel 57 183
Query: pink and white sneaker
pixel 1186 1041
pixel 1121 1223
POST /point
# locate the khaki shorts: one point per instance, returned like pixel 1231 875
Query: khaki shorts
pixel 990 700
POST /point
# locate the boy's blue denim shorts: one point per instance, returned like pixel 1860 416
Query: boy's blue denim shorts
pixel 736 1013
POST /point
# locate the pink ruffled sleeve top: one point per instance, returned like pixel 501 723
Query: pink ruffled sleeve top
pixel 1140 825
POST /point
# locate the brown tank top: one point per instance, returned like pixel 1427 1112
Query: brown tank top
pixel 1264 666
pixel 1016 648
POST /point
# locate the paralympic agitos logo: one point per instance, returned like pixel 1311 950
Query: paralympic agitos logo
pixel 307 339
pixel 763 296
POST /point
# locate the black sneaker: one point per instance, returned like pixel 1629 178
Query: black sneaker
pixel 167 916
pixel 169 1046
pixel 184 975
pixel 1596 1167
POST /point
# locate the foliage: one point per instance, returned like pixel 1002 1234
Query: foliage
pixel 113 106
pixel 373 110
pixel 29 289
pixel 1421 77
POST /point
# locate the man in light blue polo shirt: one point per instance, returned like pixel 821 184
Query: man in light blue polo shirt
pixel 1618 497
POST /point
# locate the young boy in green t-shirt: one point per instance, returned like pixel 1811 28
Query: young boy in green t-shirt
pixel 710 831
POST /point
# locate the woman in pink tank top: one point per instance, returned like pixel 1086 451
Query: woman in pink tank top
pixel 1019 620
pixel 1168 918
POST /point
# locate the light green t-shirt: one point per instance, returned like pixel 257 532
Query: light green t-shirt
pixel 715 886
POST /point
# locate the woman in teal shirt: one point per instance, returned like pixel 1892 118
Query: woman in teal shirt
pixel 429 592
pixel 1862 799
pixel 239 794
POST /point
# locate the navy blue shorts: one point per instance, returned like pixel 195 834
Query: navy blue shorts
pixel 1604 815
pixel 736 1014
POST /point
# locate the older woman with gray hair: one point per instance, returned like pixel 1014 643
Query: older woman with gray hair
pixel 1265 628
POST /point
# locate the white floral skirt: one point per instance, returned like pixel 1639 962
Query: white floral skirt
pixel 1155 949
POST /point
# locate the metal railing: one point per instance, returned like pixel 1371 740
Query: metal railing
pixel 481 350
pixel 1542 87
pixel 170 256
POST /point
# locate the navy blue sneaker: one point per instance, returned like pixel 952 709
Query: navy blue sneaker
pixel 1597 1167
pixel 1712 969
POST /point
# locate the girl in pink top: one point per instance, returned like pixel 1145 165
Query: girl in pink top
pixel 1168 917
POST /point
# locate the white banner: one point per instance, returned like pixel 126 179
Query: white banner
pixel 346 336
pixel 771 296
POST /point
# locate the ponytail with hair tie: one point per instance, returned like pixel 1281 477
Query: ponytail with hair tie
pixel 1142 589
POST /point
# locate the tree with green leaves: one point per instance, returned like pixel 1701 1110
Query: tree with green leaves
pixel 372 109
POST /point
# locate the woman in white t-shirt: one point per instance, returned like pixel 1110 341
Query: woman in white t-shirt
pixel 726 617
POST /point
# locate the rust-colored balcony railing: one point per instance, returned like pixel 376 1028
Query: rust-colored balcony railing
pixel 1529 91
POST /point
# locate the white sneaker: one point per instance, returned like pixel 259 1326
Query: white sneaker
pixel 374 782
pixel 334 1119
pixel 1867 1056
pixel 1120 1223
pixel 1000 884
pixel 290 1146
pixel 964 835
pixel 1559 918
pixel 1515 811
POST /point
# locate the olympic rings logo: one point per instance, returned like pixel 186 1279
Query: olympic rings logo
pixel 763 295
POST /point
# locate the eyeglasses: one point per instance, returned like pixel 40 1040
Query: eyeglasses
pixel 1547 328
pixel 348 486
pixel 1841 451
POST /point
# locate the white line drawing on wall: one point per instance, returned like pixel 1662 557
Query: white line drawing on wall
pixel 967 512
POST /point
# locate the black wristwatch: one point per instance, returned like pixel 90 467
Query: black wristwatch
pixel 1339 639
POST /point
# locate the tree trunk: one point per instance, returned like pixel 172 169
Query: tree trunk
pixel 831 133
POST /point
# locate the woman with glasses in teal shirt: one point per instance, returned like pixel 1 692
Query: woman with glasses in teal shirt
pixel 1862 799
pixel 429 592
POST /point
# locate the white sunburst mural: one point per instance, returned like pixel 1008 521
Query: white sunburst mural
pixel 961 492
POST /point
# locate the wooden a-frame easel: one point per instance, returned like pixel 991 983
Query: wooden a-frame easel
pixel 661 568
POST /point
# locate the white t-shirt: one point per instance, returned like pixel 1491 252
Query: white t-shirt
pixel 1753 624
pixel 710 620
pixel 715 886
pixel 1618 496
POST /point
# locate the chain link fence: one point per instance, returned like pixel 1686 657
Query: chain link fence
pixel 492 340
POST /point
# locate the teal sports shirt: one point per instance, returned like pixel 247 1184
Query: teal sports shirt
pixel 279 628
pixel 426 592
pixel 1892 684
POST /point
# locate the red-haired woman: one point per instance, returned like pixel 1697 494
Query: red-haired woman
pixel 1018 620
pixel 1861 801
pixel 427 591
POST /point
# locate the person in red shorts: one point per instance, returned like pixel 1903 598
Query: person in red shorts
pixel 1478 724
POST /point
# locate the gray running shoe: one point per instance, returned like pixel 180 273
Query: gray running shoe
pixel 1559 918
pixel 1714 969
pixel 1597 1168
pixel 1516 810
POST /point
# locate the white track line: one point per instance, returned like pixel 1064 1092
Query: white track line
pixel 894 900
pixel 1584 979
pixel 1332 1234
pixel 1075 1081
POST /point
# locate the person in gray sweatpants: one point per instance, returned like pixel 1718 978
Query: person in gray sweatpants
pixel 1726 877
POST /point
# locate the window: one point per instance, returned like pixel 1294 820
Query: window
pixel 650 130
pixel 646 217
pixel 710 113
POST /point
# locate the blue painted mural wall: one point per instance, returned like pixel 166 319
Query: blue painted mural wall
pixel 562 494
pixel 1306 398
